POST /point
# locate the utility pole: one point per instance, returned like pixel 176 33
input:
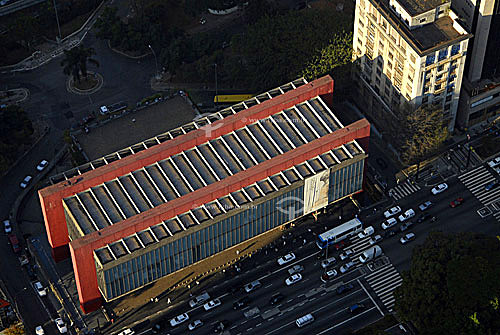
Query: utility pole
pixel 468 152
pixel 57 19
pixel 156 62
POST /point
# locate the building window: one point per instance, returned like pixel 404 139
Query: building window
pixel 425 99
pixel 442 54
pixel 381 45
pixel 430 60
pixel 408 97
pixel 389 65
pixel 379 72
pixel 412 59
pixel 361 23
pixel 455 49
pixel 440 68
pixel 391 56
pixel 422 20
pixel 437 87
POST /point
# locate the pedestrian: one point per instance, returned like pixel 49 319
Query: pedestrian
pixel 305 241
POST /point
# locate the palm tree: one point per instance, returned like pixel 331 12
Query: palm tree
pixel 75 61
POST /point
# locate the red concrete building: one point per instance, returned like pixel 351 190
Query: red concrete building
pixel 202 189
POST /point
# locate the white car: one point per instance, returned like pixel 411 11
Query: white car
pixel 328 275
pixel 346 267
pixel 389 223
pixel 327 262
pixel 42 165
pixel 407 215
pixel 392 211
pixel 407 238
pixel 440 188
pixel 127 331
pixel 424 206
pixel 61 326
pixel 104 110
pixel 293 279
pixel 179 319
pixel 366 232
pixel 39 330
pixel 346 254
pixel 375 239
pixel 286 259
pixel 212 304
pixel 195 324
pixel 40 289
pixel 7 227
pixel 494 162
pixel 25 181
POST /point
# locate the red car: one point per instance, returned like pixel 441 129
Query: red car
pixel 341 245
pixel 456 202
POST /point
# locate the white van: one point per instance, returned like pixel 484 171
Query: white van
pixel 370 254
pixel 305 320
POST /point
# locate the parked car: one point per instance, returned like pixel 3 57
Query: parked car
pixel 344 288
pixel 14 242
pixel 243 302
pixel 491 185
pixel 195 324
pixel 346 254
pixel 103 110
pixel 389 223
pixel 7 227
pixel 25 181
pixel 404 226
pixel 421 218
pixel 277 298
pixel 439 189
pixel 179 319
pixel 407 215
pixel 456 202
pixel 42 165
pixel 61 326
pixel 407 238
pixel 40 289
pixel 329 275
pixel 392 211
pixel 39 330
pixel 127 331
pixel 328 262
pixel 366 232
pixel 286 259
pixel 212 304
pixel 375 239
pixel 346 267
pixel 425 206
pixel 293 279
pixel 295 269
pixel 252 286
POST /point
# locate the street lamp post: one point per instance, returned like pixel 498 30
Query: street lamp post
pixel 57 19
pixel 468 153
pixel 156 61
pixel 216 94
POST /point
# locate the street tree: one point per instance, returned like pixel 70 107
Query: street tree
pixel 452 286
pixel 15 330
pixel 75 61
pixel 420 132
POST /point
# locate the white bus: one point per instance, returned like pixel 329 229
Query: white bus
pixel 339 233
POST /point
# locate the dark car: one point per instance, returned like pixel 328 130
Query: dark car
pixel 344 288
pixel 356 308
pixel 491 185
pixel 456 202
pixel 220 326
pixel 31 272
pixel 389 233
pixel 159 326
pixel 236 288
pixel 277 298
pixel 405 225
pixel 341 245
pixel 423 217
pixel 243 302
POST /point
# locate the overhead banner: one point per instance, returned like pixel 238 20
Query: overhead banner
pixel 316 191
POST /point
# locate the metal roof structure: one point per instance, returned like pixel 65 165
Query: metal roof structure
pixel 178 175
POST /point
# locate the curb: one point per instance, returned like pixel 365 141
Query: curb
pixel 72 89
pixel 125 54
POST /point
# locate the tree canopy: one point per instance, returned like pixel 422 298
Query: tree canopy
pixel 75 61
pixel 425 130
pixel 15 131
pixel 453 285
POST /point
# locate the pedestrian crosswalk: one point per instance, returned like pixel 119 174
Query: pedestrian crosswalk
pixel 475 181
pixel 383 282
pixel 402 190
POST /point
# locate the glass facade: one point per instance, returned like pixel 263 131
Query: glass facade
pixel 154 263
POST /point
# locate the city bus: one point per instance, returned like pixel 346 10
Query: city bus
pixel 231 98
pixel 339 233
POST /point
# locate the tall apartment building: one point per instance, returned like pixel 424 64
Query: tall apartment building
pixel 408 51
pixel 480 94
